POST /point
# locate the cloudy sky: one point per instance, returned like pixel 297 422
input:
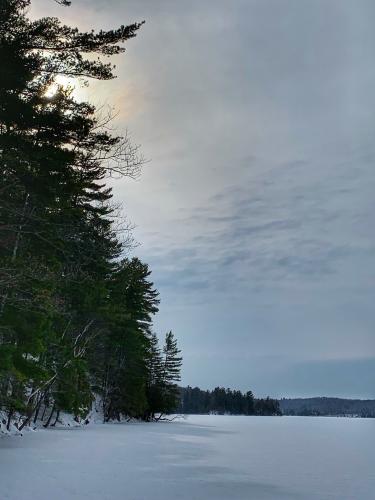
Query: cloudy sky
pixel 256 210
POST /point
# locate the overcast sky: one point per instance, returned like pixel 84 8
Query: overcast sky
pixel 256 210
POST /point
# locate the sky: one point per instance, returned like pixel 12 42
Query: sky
pixel 255 209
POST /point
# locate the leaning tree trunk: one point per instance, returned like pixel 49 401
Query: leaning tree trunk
pixel 56 419
pixel 50 416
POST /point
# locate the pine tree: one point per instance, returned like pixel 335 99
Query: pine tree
pixel 154 387
pixel 120 360
pixel 163 393
pixel 74 318
pixel 57 243
pixel 171 373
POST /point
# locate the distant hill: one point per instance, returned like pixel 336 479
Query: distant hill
pixel 328 407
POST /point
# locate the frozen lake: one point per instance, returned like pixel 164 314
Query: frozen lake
pixel 202 458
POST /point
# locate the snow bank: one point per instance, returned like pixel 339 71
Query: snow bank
pixel 65 420
pixel 13 431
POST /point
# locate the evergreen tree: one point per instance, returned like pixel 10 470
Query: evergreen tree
pixel 155 384
pixel 119 361
pixel 73 317
pixel 171 370
pixel 164 373
pixel 69 310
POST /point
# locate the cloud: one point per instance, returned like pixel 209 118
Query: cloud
pixel 290 233
pixel 348 378
pixel 256 211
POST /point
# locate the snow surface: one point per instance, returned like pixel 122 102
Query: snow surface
pixel 202 458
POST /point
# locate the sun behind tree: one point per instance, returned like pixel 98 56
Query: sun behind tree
pixel 66 301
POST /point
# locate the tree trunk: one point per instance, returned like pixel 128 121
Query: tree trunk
pixel 10 414
pixel 56 419
pixel 50 417
pixel 44 411
pixel 26 421
pixel 37 410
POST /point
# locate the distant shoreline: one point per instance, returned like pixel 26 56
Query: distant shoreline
pixel 328 407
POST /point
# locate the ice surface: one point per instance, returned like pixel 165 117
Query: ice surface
pixel 202 458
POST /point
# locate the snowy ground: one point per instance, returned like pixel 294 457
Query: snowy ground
pixel 202 458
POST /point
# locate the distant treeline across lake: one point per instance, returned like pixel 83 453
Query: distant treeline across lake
pixel 225 401
pixel 194 400
pixel 322 406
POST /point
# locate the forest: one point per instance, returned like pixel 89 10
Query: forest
pixel 324 406
pixel 225 401
pixel 76 307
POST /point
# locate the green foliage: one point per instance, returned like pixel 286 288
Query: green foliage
pixel 73 317
pixel 164 373
pixel 119 361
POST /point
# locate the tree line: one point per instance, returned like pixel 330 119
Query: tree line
pixel 326 406
pixel 225 401
pixel 75 310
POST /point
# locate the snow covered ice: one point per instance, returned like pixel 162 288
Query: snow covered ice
pixel 202 458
